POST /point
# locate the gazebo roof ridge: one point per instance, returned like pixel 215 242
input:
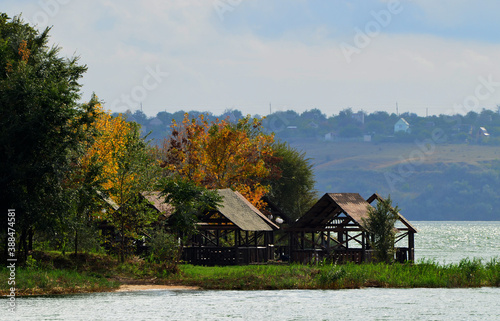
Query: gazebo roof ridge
pixel 403 220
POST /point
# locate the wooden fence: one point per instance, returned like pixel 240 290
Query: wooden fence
pixel 227 255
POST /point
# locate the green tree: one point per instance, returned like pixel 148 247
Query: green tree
pixel 380 226
pixel 189 202
pixel 293 190
pixel 40 125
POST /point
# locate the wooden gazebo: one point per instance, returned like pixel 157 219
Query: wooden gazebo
pixel 235 233
pixel 333 228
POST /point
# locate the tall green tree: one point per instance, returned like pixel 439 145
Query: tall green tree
pixel 85 179
pixel 381 228
pixel 293 190
pixel 40 125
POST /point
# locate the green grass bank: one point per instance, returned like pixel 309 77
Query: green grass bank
pixel 58 274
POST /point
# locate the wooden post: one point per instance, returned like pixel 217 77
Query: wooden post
pixel 266 246
pixel 363 246
pixel 411 246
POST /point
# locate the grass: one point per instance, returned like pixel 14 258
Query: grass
pixel 467 273
pixel 54 273
pixel 424 274
pixel 250 277
pixel 34 281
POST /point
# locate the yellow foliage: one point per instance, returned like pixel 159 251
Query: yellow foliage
pixel 108 146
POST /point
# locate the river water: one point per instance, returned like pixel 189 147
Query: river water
pixel 444 242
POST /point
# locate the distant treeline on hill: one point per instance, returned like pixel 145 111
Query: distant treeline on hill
pixel 472 128
pixel 359 152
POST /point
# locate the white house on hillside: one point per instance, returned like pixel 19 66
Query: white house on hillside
pixel 402 126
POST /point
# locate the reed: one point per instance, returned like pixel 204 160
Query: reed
pixel 428 274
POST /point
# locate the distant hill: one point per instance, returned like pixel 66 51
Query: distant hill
pixel 453 174
pixel 430 182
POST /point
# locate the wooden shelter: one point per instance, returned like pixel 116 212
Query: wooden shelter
pixel 235 233
pixel 152 200
pixel 334 228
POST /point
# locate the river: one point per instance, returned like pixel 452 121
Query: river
pixel 444 242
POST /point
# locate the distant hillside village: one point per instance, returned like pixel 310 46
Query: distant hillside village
pixel 348 126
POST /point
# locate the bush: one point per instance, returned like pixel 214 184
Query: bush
pixel 164 249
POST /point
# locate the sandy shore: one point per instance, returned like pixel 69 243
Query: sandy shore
pixel 145 287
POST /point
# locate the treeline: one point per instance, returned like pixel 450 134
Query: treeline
pixel 438 191
pixel 350 126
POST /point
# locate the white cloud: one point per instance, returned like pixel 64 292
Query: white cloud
pixel 214 68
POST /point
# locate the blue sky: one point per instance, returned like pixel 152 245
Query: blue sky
pixel 435 56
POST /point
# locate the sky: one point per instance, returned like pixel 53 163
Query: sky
pixel 262 56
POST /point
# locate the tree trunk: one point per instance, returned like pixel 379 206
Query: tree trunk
pixel 31 233
pixel 76 242
pixel 23 247
pixel 122 244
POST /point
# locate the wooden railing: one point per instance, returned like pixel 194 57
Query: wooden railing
pixel 344 255
pixel 227 255
pixel 248 255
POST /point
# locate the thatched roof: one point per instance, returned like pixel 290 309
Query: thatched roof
pixel 330 206
pixel 334 205
pixel 157 200
pixel 236 208
pixel 112 204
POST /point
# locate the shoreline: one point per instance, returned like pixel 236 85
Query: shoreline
pixel 49 281
pixel 148 287
pixel 121 288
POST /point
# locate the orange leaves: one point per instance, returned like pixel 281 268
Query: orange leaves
pixel 221 155
pixel 108 146
pixel 23 51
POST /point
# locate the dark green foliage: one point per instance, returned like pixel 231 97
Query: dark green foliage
pixel 294 191
pixel 164 250
pixel 40 125
pixel 380 226
pixel 189 202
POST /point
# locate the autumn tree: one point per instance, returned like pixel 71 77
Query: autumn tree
pixel 220 154
pixel 40 125
pixel 128 168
